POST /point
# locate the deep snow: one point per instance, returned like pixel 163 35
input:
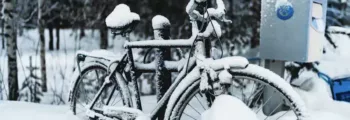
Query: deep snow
pixel 32 111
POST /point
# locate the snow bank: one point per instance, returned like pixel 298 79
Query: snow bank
pixel 318 99
pixel 121 16
pixel 226 107
pixel 335 69
pixel 335 62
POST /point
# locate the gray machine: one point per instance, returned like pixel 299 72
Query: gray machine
pixel 292 30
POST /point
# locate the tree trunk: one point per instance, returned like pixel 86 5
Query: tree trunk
pixel 42 46
pixel 57 37
pixel 11 38
pixel 104 37
pixel 51 37
pixel 2 32
pixel 82 32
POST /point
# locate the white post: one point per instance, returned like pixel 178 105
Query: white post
pixel 273 100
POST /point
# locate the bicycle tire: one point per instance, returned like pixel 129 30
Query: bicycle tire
pixel 76 81
pixel 178 101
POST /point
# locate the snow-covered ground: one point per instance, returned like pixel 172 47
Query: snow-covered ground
pixel 32 111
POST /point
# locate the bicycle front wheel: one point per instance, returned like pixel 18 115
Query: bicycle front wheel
pixel 250 86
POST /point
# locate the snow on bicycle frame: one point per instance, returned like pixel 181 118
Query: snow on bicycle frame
pixel 126 64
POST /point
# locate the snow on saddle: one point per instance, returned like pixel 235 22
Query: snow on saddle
pixel 121 20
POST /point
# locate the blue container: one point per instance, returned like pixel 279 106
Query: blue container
pixel 340 87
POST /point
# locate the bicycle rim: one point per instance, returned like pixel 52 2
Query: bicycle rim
pixel 86 89
pixel 193 103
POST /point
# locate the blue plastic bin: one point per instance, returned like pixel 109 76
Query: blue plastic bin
pixel 340 87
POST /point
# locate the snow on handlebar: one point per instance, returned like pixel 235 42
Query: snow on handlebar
pixel 213 28
pixel 218 13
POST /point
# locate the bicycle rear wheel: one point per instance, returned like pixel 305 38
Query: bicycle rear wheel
pixel 248 85
pixel 87 85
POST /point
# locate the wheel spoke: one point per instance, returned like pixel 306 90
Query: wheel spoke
pixel 98 78
pixel 282 115
pixel 117 101
pixel 200 102
pixel 86 98
pixel 251 92
pixel 259 92
pixel 190 116
pixel 194 109
pixel 264 104
pixel 273 110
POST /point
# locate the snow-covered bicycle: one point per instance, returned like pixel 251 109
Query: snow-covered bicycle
pixel 106 88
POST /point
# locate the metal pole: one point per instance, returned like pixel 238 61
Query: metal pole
pixel 161 26
pixel 273 100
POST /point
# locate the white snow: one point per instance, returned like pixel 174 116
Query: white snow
pixel 212 29
pixel 335 62
pixel 160 43
pixel 200 1
pixel 338 29
pixel 318 99
pixel 192 12
pixel 335 69
pixel 190 6
pixel 125 112
pixel 121 16
pixel 225 77
pixel 143 117
pixel 31 111
pixel 237 62
pixel 219 12
pixel 280 3
pixel 159 22
pixel 305 79
pixel 226 107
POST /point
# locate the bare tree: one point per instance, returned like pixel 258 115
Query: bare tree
pixel 11 39
pixel 41 27
pixel 50 27
pixel 2 32
pixel 58 36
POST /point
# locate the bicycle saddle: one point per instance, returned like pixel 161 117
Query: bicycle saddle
pixel 121 20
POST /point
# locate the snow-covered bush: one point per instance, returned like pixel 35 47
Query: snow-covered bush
pixel 31 90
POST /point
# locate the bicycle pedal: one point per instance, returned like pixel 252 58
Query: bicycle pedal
pixel 124 113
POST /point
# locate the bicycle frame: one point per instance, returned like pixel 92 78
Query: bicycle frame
pixel 202 48
pixel 127 62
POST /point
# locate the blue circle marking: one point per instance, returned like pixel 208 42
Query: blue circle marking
pixel 285 12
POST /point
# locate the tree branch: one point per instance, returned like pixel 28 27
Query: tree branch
pixel 31 15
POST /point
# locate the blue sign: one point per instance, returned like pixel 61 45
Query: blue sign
pixel 285 12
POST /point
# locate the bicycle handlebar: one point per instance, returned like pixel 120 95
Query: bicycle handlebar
pixel 219 13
